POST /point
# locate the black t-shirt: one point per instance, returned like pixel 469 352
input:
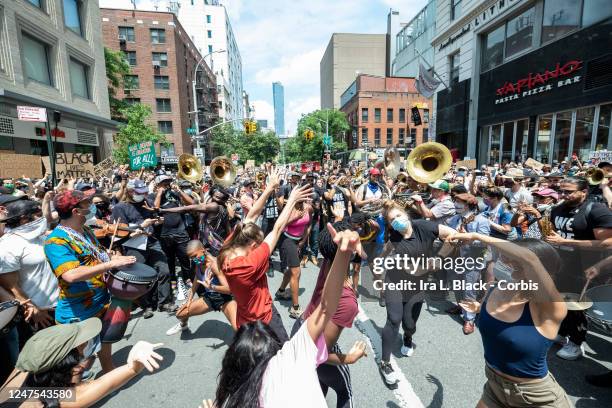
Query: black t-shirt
pixel 338 199
pixel 271 209
pixel 174 223
pixel 285 190
pixel 575 223
pixel 418 246
pixel 134 213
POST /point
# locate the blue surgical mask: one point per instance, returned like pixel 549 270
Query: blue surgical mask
pixel 400 224
pixel 199 260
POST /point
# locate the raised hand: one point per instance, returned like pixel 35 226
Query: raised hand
pixel 142 354
pixel 347 241
pixel 300 194
pixel 356 352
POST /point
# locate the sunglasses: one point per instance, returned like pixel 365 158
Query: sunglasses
pixel 562 191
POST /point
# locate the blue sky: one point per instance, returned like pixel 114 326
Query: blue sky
pixel 284 40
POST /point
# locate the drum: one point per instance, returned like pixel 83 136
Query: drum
pixel 8 313
pixel 600 315
pixel 131 282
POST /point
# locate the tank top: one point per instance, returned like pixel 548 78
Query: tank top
pixel 297 227
pixel 516 348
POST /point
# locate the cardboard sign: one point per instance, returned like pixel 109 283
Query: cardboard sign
pixel 142 155
pixel 19 165
pixel 469 164
pixel 601 155
pixel 534 164
pixel 75 165
pixel 105 167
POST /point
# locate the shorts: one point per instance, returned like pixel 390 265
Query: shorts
pixel 289 253
pixel 214 300
pixel 500 392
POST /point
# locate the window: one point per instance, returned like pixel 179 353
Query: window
pixel 162 82
pixel 72 15
pixel 128 33
pixel 543 138
pixel 210 49
pixel 594 11
pixel 377 137
pixel 36 60
pixel 131 82
pixel 364 136
pixel 37 3
pixel 583 132
pixel 208 18
pixel 130 56
pixel 402 115
pixel 164 126
pixel 160 57
pixel 209 33
pixel 377 115
pixel 425 115
pixel 507 142
pixel 389 115
pixel 402 133
pixel 131 101
pixel 167 150
pixel 389 136
pixel 563 126
pixel 412 135
pixel 163 105
pixel 560 17
pixel 453 63
pixel 425 135
pixel 519 33
pixel 78 79
pixel 455 9
pixel 603 127
pixel 158 36
pixel 364 115
pixel 493 50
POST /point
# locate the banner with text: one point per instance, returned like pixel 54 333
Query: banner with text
pixel 142 155
pixel 75 165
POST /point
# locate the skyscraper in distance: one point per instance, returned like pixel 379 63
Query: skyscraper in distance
pixel 278 95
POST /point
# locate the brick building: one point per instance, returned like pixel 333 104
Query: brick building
pixel 378 110
pixel 163 59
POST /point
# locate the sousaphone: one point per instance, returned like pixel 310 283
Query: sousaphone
pixel 222 171
pixel 189 168
pixel 429 162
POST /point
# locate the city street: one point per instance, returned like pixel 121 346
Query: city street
pixel 446 370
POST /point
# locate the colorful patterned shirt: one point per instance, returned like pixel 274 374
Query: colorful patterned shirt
pixel 83 299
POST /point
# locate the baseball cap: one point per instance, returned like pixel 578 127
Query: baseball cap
pixel 138 186
pixel 20 208
pixel 65 201
pixel 546 192
pixel 184 184
pixel 161 178
pixel 374 172
pixel 440 185
pixel 49 346
pixel 467 198
pixel 86 188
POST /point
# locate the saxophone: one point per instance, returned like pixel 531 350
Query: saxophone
pixel 545 225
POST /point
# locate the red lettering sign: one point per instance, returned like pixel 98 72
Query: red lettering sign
pixel 54 132
pixel 538 79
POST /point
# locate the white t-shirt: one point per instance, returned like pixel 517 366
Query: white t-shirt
pixel 523 195
pixel 442 210
pixel 27 256
pixel 291 376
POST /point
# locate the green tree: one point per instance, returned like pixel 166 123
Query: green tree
pixel 258 146
pixel 135 130
pixel 298 149
pixel 117 68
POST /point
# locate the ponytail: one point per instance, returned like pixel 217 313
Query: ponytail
pixel 242 235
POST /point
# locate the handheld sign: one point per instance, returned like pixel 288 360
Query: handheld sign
pixel 142 155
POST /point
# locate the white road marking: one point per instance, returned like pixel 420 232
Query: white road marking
pixel 404 392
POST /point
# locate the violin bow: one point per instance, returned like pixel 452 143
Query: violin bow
pixel 110 247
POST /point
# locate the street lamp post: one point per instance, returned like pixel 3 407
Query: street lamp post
pixel 195 100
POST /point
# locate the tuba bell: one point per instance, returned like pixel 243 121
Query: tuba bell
pixel 402 177
pixel 429 162
pixel 222 171
pixel 189 168
pixel 595 176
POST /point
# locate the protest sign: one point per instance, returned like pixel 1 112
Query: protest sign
pixel 105 167
pixel 469 164
pixel 19 165
pixel 142 155
pixel 75 165
pixel 534 164
pixel 601 155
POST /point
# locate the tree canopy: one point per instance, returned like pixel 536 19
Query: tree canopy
pixel 135 130
pixel 117 68
pixel 259 146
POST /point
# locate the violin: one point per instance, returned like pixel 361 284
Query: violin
pixel 104 229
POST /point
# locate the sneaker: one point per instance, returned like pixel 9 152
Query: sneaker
pixel 295 313
pixel 148 313
pixel 382 302
pixel 270 272
pixel 388 374
pixel 408 351
pixel 168 307
pixel 570 351
pixel 560 340
pixel 282 295
pixel 600 380
pixel 181 290
pixel 179 327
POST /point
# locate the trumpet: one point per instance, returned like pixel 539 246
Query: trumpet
pixel 595 176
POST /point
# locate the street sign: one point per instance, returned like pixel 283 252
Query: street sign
pixel 327 140
pixel 142 155
pixel 32 114
pixel 169 160
pixel 191 131
pixel 198 152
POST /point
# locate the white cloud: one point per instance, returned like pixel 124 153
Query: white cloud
pixel 298 70
pixel 140 4
pixel 296 107
pixel 264 110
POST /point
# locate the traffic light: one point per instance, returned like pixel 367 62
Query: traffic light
pixel 309 134
pixel 253 127
pixel 250 127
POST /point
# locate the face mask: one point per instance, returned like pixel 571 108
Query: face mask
pixel 10 187
pixel 188 191
pixel 138 198
pixel 543 207
pixel 400 224
pixel 90 218
pixel 199 260
pixel 373 184
pixel 33 229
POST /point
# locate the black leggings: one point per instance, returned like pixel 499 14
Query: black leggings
pixel 399 311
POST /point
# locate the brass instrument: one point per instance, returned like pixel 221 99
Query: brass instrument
pixel 391 162
pixel 189 168
pixel 402 177
pixel 546 227
pixel 222 171
pixel 260 178
pixel 405 200
pixel 429 162
pixel 595 176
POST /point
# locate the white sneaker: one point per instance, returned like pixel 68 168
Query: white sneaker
pixel 560 340
pixel 389 375
pixel 177 328
pixel 408 351
pixel 570 351
pixel 181 290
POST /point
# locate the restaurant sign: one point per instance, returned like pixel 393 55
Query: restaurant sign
pixel 559 76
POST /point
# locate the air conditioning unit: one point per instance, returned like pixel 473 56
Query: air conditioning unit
pixel 122 39
pixel 156 64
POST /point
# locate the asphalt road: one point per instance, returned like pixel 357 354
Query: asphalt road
pixel 446 370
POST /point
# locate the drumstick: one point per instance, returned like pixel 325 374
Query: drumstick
pixel 584 289
pixel 110 247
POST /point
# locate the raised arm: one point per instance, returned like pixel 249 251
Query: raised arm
pixel 260 203
pixel 297 195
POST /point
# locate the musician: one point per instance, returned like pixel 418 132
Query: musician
pixel 527 216
pixel 210 285
pixel 310 249
pixel 441 207
pixel 467 219
pixel 247 197
pixel 372 191
pixel 515 191
pixel 78 261
pixel 579 223
pixel 136 210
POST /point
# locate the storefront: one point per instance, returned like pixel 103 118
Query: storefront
pixel 551 102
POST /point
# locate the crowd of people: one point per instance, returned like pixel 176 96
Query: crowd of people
pixel 209 247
